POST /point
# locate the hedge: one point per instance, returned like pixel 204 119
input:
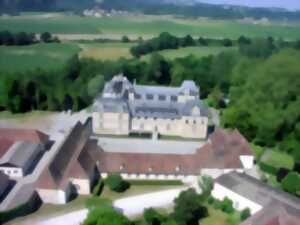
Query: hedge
pixel 267 168
pixel 31 206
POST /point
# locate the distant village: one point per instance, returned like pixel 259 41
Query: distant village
pixel 99 13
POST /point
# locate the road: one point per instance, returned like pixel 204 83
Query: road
pixel 131 206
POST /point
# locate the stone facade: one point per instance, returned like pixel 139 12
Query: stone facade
pixel 126 108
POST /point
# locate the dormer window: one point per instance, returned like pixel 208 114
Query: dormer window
pixel 150 169
pixel 173 98
pixel 177 169
pixel 161 97
pixel 149 96
pixel 122 167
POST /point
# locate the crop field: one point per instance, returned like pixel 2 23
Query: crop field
pixel 105 51
pixel 145 26
pixel 196 51
pixel 46 56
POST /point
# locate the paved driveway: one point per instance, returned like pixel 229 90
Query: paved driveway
pixel 130 206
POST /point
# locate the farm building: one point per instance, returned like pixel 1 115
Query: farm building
pixel 268 205
pixel 20 158
pixel 72 171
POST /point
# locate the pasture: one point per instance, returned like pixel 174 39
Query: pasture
pixel 196 51
pixel 105 51
pixel 144 26
pixel 46 56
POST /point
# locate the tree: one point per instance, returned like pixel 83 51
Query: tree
pixel 291 183
pixel 152 217
pixel 227 42
pixel 187 41
pixel 116 183
pixel 202 41
pixel 259 48
pixel 206 184
pixel 46 37
pixel 104 216
pixel 245 214
pixel 244 40
pixel 188 209
pixel 125 39
pixel 95 86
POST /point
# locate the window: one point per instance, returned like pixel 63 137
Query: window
pixel 173 98
pixel 168 127
pixel 137 96
pixel 142 126
pixel 149 97
pixel 186 121
pixel 194 121
pixel 15 171
pixel 161 97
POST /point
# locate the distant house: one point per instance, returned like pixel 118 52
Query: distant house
pixel 125 108
pixel 224 152
pixel 72 170
pixel 20 158
pixel 270 206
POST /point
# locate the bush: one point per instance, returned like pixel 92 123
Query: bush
pixel 267 168
pixel 245 214
pixel 95 202
pixel 227 206
pixel 152 217
pixel 291 183
pixel 98 188
pixel 116 183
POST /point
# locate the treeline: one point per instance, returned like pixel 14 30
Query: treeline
pixel 168 41
pixel 156 7
pixel 23 38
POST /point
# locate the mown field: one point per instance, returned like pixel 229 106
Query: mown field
pixel 54 56
pixel 104 51
pixel 47 56
pixel 196 51
pixel 145 26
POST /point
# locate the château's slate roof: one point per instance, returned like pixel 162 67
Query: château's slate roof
pixel 115 99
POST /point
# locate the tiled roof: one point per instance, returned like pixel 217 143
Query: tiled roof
pixel 5 144
pixel 207 156
pixel 69 161
pixel 275 214
pixel 23 135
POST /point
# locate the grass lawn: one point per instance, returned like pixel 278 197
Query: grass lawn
pixel 45 56
pixel 144 26
pixel 24 116
pixel 216 217
pixel 196 51
pixel 278 159
pixel 105 51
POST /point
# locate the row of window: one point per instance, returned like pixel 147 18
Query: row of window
pixel 173 98
pixel 9 171
pixel 150 169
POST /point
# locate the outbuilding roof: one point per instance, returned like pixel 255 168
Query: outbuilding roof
pixel 20 154
pixel 208 156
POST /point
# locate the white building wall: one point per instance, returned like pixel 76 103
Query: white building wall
pixel 52 196
pixel 247 161
pixel 82 186
pixel 239 202
pixel 12 172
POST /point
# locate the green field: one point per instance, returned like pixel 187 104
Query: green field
pixel 278 159
pixel 104 51
pixel 46 56
pixel 196 51
pixel 145 26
